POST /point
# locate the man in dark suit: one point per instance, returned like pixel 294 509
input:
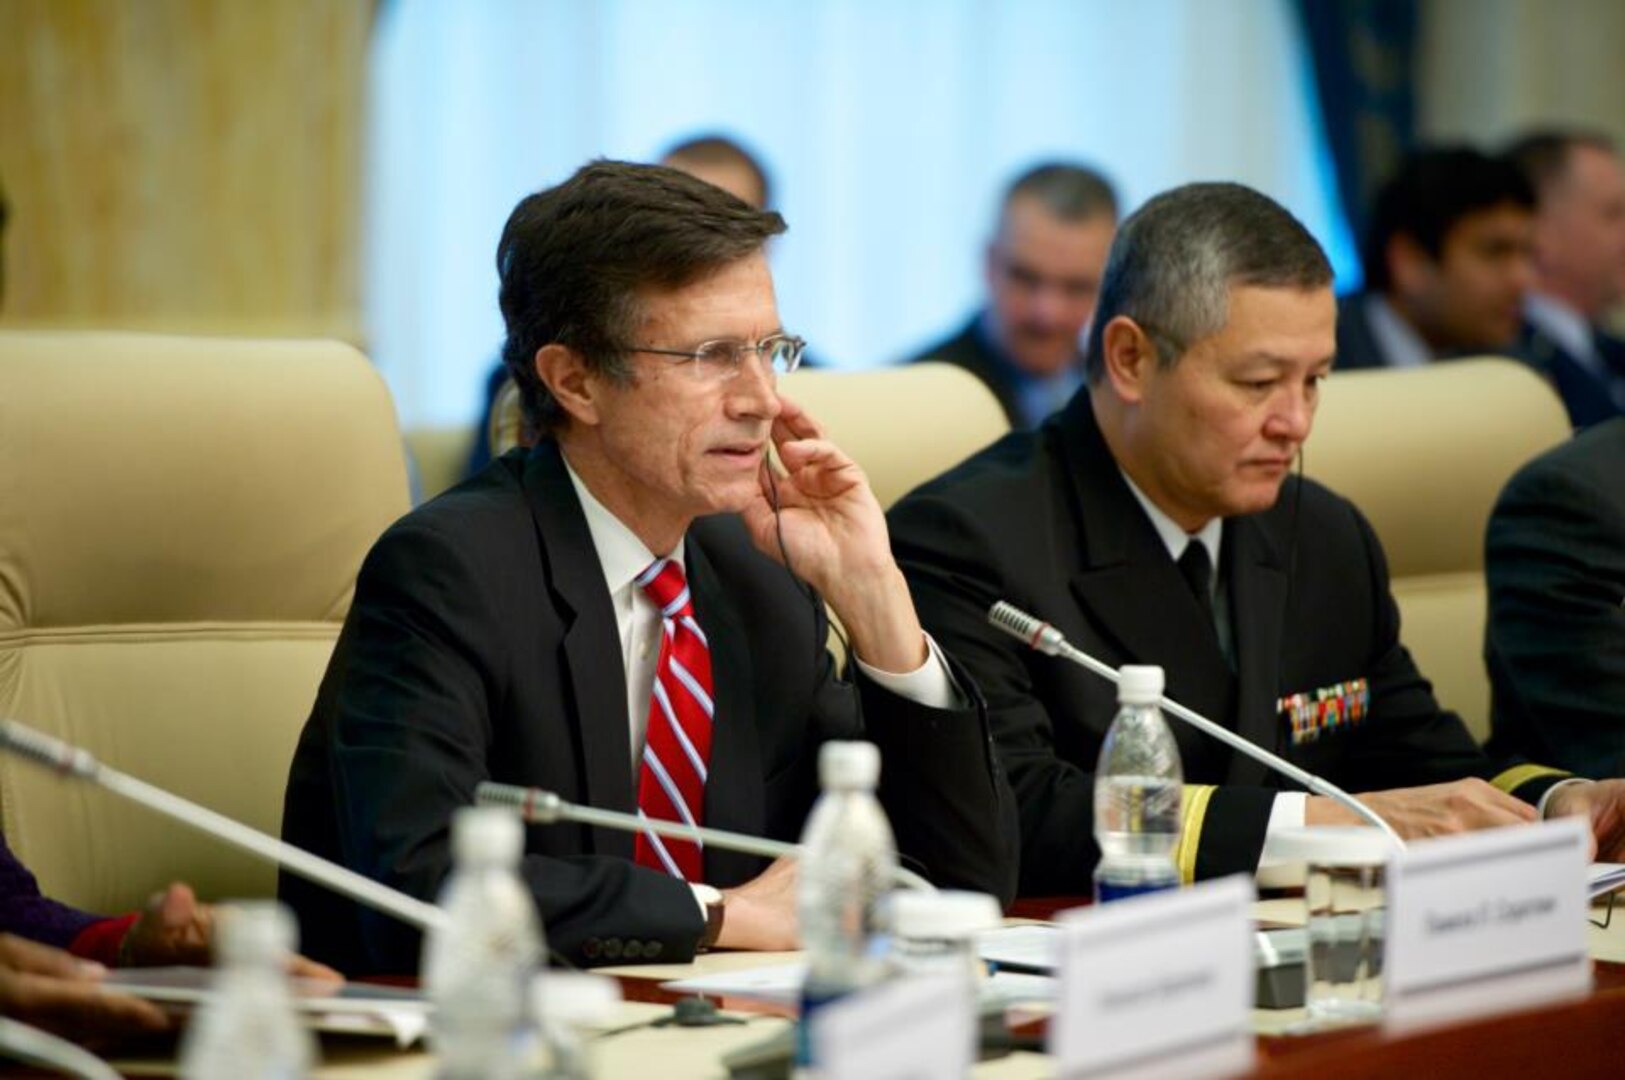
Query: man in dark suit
pixel 626 613
pixel 1554 557
pixel 1042 269
pixel 1579 268
pixel 1447 262
pixel 1214 333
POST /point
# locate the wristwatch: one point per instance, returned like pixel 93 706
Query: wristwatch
pixel 714 903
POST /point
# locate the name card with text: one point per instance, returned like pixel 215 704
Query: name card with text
pixel 916 1028
pixel 1487 921
pixel 1160 985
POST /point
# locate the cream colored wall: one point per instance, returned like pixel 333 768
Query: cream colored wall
pixel 1491 67
pixel 189 165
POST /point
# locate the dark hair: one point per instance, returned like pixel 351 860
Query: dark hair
pixel 713 149
pixel 573 259
pixel 1544 154
pixel 1176 258
pixel 1068 191
pixel 1430 194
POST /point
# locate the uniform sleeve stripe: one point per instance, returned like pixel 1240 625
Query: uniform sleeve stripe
pixel 1197 796
pixel 1519 775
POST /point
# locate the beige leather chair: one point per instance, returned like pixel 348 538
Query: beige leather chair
pixel 440 454
pixel 181 522
pixel 904 425
pixel 1424 453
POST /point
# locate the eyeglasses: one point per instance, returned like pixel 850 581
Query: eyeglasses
pixel 718 361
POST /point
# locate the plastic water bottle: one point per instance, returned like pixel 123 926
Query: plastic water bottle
pixel 1138 790
pixel 847 868
pixel 478 969
pixel 248 1028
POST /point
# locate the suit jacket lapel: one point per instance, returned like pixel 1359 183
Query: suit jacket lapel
pixel 595 701
pixel 1258 593
pixel 1131 592
pixel 733 786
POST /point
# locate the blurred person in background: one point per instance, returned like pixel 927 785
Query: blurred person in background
pixel 1447 263
pixel 1579 263
pixel 1042 269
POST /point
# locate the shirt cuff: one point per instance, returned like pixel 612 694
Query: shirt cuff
pixel 705 896
pixel 1546 796
pixel 102 941
pixel 931 684
pixel 1286 812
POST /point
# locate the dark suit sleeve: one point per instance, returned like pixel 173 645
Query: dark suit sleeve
pixel 413 694
pixel 955 575
pixel 1555 643
pixel 944 791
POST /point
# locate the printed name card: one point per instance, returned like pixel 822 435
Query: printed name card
pixel 922 1028
pixel 1487 921
pixel 1160 985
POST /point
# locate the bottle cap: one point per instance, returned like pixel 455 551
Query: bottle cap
pixel 487 834
pixel 1139 684
pixel 849 765
pixel 255 933
pixel 951 913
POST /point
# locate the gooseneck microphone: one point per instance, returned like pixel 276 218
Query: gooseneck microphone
pixel 543 807
pixel 1044 638
pixel 74 763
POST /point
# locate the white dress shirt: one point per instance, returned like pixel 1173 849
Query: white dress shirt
pixel 623 557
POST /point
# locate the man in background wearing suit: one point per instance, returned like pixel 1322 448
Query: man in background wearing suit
pixel 1554 558
pixel 1447 262
pixel 1579 269
pixel 1155 521
pixel 1042 269
pixel 626 613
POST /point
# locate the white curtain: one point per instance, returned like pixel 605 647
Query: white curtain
pixel 889 127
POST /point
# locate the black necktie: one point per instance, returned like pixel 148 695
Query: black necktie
pixel 1197 567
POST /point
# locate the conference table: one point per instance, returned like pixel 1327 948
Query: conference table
pixel 1576 1038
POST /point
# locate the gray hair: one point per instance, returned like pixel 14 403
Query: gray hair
pixel 1069 192
pixel 1176 258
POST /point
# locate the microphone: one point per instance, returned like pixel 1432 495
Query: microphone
pixel 543 807
pixel 1044 638
pixel 78 764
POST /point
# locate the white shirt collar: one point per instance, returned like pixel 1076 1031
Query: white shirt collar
pixel 621 554
pixel 1173 537
pixel 1564 325
pixel 1401 345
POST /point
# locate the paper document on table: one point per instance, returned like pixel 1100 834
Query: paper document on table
pixel 1030 948
pixel 1606 877
pixel 350 1009
pixel 780 984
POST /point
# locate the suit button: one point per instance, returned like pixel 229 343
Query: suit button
pixel 652 950
pixel 612 949
pixel 634 950
pixel 592 948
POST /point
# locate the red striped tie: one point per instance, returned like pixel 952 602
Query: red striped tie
pixel 671 783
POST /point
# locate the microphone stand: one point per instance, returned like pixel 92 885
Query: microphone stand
pixel 75 763
pixel 547 808
pixel 1044 638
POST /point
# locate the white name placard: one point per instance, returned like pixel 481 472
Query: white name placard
pixel 1487 921
pixel 1160 985
pixel 919 1028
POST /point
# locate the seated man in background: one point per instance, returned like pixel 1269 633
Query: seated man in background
pixel 1042 270
pixel 1554 558
pixel 1579 269
pixel 52 956
pixel 1147 522
pixel 622 614
pixel 1447 263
